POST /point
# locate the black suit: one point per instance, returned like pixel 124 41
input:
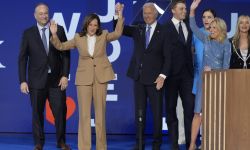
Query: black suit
pixel 145 66
pixel 42 84
pixel 179 81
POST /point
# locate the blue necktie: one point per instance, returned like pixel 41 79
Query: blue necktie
pixel 44 39
pixel 181 34
pixel 148 35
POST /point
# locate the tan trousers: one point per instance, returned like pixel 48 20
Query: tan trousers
pixel 85 94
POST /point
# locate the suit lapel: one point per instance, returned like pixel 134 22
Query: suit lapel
pixel 189 38
pixel 174 29
pixel 96 45
pixel 142 33
pixel 176 32
pixel 37 36
pixel 154 36
pixel 248 53
pixel 50 44
pixel 85 46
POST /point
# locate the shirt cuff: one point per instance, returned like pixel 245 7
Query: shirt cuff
pixel 163 76
pixel 115 17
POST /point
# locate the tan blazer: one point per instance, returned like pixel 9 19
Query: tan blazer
pixel 90 66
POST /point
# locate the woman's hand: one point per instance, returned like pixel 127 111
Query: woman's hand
pixel 193 7
pixel 53 27
pixel 119 9
pixel 207 68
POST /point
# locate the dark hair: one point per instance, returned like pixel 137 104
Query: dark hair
pixel 209 10
pixel 175 2
pixel 87 21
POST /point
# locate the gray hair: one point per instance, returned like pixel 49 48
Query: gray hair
pixel 151 5
pixel 41 4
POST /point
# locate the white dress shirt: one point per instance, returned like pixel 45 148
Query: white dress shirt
pixel 183 25
pixel 91 44
pixel 46 32
pixel 47 37
pixel 153 25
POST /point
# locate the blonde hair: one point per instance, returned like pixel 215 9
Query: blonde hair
pixel 222 27
pixel 236 36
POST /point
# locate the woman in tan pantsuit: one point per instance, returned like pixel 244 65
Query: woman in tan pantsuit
pixel 93 72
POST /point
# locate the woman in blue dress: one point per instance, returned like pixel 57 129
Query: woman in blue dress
pixel 208 16
pixel 216 55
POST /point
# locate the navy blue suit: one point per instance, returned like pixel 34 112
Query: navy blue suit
pixel 145 66
pixel 42 84
pixel 179 81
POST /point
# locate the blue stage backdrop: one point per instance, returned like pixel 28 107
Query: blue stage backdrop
pixel 15 108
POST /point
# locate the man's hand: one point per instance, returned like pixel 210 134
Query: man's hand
pixel 24 88
pixel 159 82
pixel 63 83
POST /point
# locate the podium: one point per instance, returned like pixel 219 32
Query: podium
pixel 226 110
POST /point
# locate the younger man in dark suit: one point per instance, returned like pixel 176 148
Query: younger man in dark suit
pixel 179 79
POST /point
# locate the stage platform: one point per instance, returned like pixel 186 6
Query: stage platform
pixel 14 141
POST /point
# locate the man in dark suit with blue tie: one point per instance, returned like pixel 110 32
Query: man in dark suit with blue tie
pixel 148 69
pixel 179 79
pixel 48 71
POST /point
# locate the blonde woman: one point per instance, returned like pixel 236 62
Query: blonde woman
pixel 93 73
pixel 240 44
pixel 217 53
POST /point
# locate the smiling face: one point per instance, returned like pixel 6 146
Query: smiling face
pixel 42 14
pixel 92 27
pixel 244 25
pixel 149 14
pixel 179 11
pixel 214 31
pixel 207 18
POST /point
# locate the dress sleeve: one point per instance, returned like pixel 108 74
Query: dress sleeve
pixel 197 32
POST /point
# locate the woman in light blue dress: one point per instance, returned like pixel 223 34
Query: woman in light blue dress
pixel 216 55
pixel 208 16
